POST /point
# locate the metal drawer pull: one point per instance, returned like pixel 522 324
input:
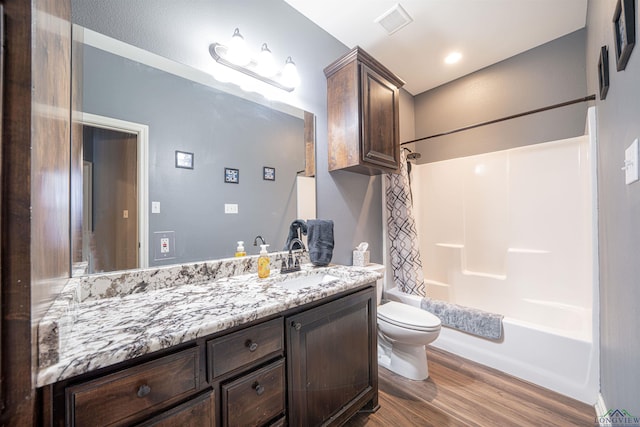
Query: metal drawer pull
pixel 259 388
pixel 296 325
pixel 143 390
pixel 253 346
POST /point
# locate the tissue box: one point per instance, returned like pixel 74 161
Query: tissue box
pixel 360 258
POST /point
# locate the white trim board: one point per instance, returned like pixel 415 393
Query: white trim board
pixel 142 132
pixel 600 408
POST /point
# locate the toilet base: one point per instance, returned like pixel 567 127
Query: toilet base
pixel 409 361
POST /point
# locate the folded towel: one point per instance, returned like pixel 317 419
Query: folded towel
pixel 320 240
pixel 297 229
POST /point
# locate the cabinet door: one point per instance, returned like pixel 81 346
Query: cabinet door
pixel 331 360
pixel 380 132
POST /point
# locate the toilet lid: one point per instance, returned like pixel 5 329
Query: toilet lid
pixel 407 316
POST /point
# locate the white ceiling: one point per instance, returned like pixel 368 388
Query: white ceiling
pixel 484 31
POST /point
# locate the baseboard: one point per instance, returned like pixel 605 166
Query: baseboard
pixel 601 409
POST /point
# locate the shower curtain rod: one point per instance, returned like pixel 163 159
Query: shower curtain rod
pixel 515 116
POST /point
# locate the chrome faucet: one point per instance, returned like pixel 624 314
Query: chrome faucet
pixel 292 263
pixel 299 242
pixel 255 241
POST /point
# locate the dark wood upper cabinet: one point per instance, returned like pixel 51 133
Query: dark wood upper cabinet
pixel 362 103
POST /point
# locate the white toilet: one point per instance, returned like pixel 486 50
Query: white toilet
pixel 403 333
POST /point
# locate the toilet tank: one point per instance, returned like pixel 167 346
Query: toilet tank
pixel 380 283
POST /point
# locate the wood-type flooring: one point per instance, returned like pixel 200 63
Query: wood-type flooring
pixel 460 392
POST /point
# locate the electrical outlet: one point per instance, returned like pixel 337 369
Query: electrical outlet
pixel 164 245
pixel 231 208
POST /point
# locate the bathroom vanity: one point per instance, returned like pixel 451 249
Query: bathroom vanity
pixel 296 349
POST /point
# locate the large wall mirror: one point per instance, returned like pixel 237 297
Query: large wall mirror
pixel 169 167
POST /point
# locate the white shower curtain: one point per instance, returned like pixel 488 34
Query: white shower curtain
pixel 403 236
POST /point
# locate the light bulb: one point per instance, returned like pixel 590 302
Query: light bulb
pixel 290 77
pixel 266 64
pixel 453 57
pixel 238 52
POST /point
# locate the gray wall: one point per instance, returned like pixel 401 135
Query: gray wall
pixel 543 76
pixel 221 130
pixel 619 215
pixel 183 31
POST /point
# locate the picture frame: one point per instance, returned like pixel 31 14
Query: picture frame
pixel 603 72
pixel 184 160
pixel 624 32
pixel 268 173
pixel 231 176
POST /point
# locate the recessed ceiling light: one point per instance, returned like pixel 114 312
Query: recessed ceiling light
pixel 453 57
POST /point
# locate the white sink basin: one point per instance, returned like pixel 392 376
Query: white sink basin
pixel 306 281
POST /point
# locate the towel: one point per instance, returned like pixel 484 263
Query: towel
pixel 297 229
pixel 320 240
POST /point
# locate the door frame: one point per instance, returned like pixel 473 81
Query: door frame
pixel 142 133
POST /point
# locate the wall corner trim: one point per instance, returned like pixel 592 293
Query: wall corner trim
pixel 601 409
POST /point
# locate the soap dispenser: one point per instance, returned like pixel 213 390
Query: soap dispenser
pixel 240 249
pixel 263 263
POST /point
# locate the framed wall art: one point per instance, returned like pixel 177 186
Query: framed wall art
pixel 184 160
pixel 624 31
pixel 268 173
pixel 231 175
pixel 603 72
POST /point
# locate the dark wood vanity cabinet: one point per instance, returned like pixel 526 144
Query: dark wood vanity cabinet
pixel 332 362
pixel 314 365
pixel 362 107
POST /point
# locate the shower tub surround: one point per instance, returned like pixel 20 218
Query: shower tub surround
pixel 100 320
pixel 514 232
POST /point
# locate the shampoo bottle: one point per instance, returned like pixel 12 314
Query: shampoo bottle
pixel 240 250
pixel 263 262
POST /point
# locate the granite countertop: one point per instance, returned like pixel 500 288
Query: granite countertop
pixel 80 335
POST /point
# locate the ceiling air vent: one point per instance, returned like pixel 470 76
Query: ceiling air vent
pixel 394 19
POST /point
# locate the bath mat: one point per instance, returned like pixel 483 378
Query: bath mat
pixel 470 320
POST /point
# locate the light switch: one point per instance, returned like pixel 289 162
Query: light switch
pixel 231 208
pixel 155 207
pixel 125 214
pixel 631 163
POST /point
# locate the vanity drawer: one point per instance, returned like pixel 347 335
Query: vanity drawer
pixel 197 412
pixel 129 395
pixel 256 398
pixel 241 348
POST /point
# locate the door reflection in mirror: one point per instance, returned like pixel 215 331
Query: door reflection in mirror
pixel 110 199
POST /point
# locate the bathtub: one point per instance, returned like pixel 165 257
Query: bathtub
pixel 559 360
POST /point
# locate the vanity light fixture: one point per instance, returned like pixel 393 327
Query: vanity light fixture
pixel 263 67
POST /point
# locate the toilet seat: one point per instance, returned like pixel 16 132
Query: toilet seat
pixel 409 317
